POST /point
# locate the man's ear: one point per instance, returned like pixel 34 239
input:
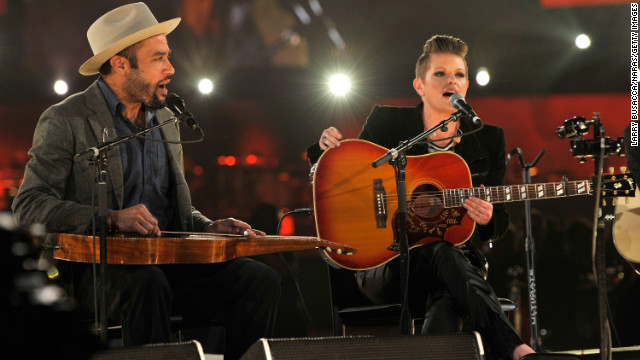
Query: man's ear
pixel 118 62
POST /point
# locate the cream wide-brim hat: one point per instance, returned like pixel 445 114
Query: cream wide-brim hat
pixel 120 28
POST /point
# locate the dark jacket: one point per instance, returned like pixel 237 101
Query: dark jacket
pixel 57 191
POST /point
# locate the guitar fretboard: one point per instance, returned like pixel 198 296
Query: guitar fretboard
pixel 507 193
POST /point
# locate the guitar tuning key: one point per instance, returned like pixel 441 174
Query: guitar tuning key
pixel 614 201
pixel 604 202
pixel 623 169
pixel 611 169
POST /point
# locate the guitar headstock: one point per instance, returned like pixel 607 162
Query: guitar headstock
pixel 618 185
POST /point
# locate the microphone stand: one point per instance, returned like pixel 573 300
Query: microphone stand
pixel 530 250
pixel 98 158
pixel 397 158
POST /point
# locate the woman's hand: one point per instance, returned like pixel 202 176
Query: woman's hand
pixel 479 210
pixel 330 138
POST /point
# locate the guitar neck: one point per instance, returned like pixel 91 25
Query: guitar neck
pixel 509 193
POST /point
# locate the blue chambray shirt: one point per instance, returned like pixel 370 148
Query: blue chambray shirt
pixel 145 165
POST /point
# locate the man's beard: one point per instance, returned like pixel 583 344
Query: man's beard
pixel 139 90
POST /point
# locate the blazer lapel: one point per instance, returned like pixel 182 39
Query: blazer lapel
pixel 472 150
pixel 171 132
pixel 101 123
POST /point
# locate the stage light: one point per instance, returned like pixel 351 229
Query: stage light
pixel 251 159
pixel 198 170
pixel 284 176
pixel 205 86
pixel 230 160
pixel 339 85
pixel 482 76
pixel 583 41
pixel 316 7
pixel 60 87
pixel 302 14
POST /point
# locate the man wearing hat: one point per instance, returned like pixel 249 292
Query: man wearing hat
pixel 146 190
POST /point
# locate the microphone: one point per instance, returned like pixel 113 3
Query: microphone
pixel 178 108
pixel 457 101
pixel 87 154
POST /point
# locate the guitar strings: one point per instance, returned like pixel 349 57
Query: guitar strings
pixel 497 193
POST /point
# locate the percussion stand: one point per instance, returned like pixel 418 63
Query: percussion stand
pixel 598 252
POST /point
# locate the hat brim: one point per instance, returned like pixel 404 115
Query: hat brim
pixel 92 66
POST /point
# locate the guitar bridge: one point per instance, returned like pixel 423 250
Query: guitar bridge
pixel 380 203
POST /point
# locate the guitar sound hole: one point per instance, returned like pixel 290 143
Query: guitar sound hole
pixel 426 200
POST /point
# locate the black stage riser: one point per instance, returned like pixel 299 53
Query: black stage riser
pixel 431 347
pixel 191 350
pixel 617 354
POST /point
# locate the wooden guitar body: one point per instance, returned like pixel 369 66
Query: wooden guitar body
pixel 355 203
pixel 182 248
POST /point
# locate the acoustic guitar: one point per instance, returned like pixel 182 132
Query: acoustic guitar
pixel 355 203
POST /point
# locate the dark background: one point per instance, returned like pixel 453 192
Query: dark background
pixel 270 100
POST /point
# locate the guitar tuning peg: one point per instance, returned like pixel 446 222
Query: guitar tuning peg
pixel 604 202
pixel 611 169
pixel 623 169
pixel 614 201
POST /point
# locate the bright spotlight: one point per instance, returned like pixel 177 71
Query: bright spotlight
pixel 60 87
pixel 482 77
pixel 205 86
pixel 339 84
pixel 583 41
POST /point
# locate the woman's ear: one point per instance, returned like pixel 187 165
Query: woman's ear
pixel 417 84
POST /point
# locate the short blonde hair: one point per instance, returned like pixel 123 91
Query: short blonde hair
pixel 440 44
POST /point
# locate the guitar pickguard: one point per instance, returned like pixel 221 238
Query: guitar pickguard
pixel 427 218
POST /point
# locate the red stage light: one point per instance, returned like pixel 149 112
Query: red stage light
pixel 230 161
pixel 251 159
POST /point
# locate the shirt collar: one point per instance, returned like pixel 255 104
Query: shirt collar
pixel 116 107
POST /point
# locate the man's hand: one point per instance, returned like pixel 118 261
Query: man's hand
pixel 233 226
pixel 136 219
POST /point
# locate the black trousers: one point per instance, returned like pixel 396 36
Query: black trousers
pixel 242 292
pixel 442 279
